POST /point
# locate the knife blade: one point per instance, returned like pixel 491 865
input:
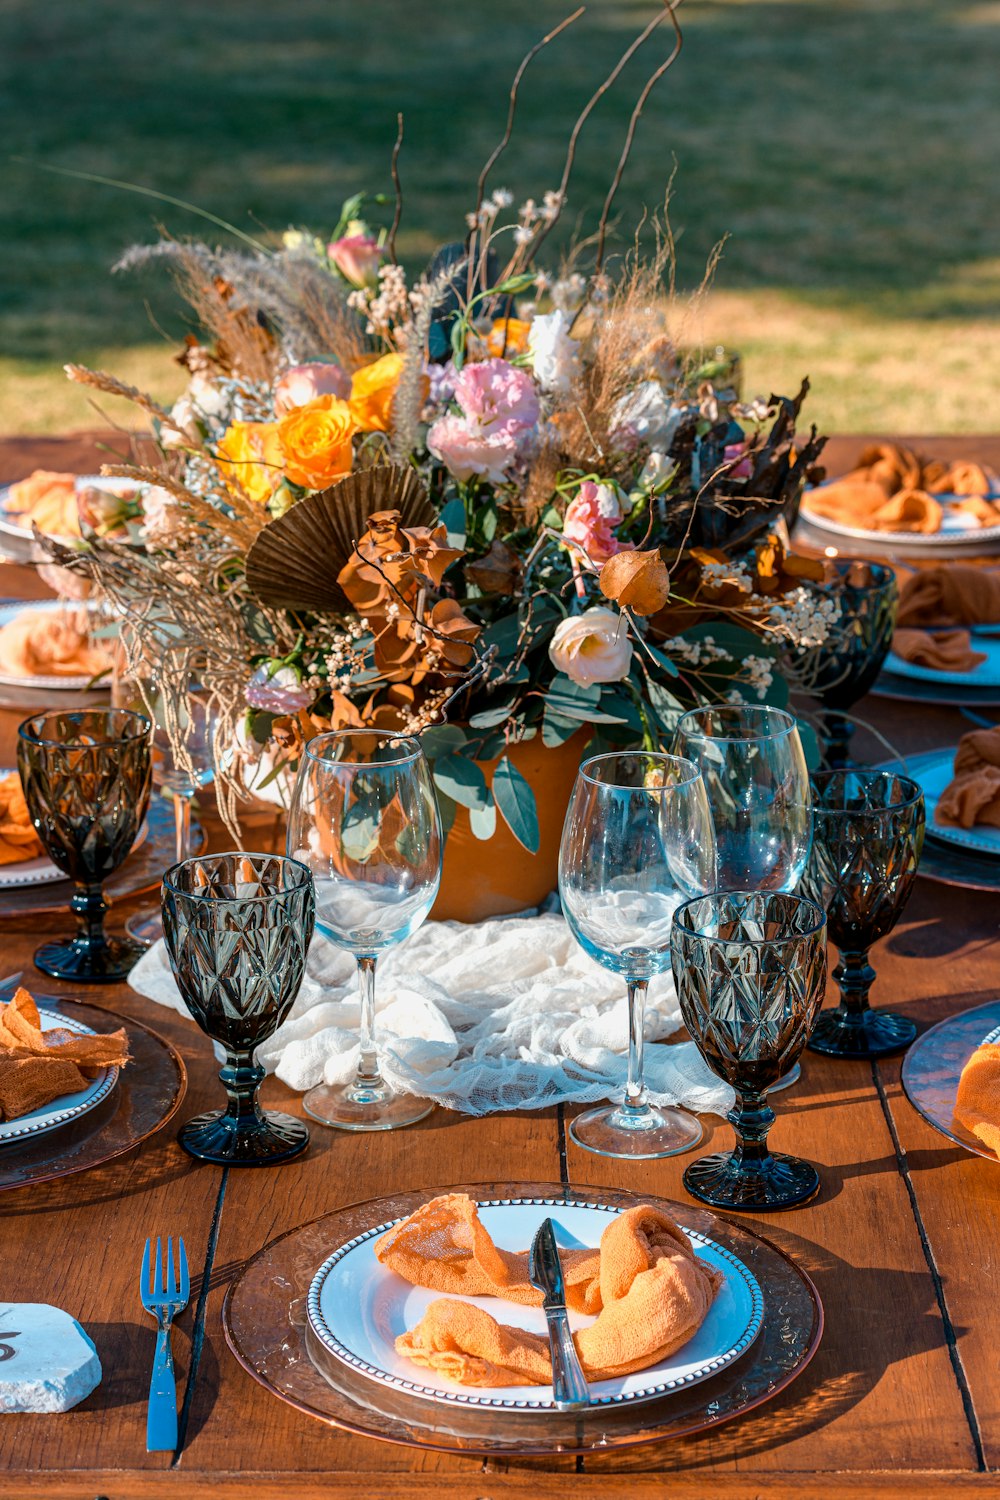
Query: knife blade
pixel 569 1384
pixel 11 983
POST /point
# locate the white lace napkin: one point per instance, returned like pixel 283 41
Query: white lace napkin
pixel 507 1014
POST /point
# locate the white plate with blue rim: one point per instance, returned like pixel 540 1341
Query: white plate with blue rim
pixel 357 1308
pixel 933 778
pixel 985 675
pixel 69 1106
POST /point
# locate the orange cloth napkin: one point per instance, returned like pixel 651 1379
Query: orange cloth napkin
pixel 51 643
pixel 862 503
pixel 18 839
pixel 650 1291
pixel 37 1067
pixel 947 651
pixel 974 794
pixel 893 489
pixel 977 1105
pixel 962 479
pixel 950 595
pixel 48 501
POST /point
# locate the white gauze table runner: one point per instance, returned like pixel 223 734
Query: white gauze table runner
pixel 506 1014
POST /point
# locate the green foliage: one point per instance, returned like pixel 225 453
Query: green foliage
pixel 516 802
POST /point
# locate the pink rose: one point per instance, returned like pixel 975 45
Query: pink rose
pixel 303 383
pixel 497 424
pixel 742 469
pixel 591 520
pixel 357 258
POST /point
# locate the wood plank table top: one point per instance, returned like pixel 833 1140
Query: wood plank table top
pixel 902 1399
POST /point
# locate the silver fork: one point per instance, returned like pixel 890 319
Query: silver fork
pixel 165 1290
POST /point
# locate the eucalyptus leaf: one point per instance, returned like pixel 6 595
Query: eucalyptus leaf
pixel 516 802
pixel 452 518
pixel 556 730
pixel 442 739
pixel 483 820
pixel 447 811
pixel 462 780
pixel 489 718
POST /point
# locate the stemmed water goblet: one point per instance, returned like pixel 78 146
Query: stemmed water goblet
pixel 754 769
pixel 750 968
pixel 867 838
pixel 86 778
pixel 237 930
pixel 637 841
pixel 364 819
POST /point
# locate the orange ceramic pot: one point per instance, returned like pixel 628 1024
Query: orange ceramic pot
pixel 494 877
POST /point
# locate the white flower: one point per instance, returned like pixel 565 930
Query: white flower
pixel 647 415
pixel 657 471
pixel 592 647
pixel 158 513
pixel 555 356
pixel 502 198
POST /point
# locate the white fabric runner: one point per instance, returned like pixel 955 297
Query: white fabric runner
pixel 507 1014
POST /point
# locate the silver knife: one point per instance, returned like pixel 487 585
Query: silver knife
pixel 569 1384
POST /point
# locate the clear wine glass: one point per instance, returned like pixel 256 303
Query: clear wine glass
pixel 636 844
pixel 754 768
pixel 364 819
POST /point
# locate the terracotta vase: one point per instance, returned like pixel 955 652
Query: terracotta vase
pixel 494 877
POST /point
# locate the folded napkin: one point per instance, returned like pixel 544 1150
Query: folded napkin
pixel 955 594
pixel 51 643
pixel 945 651
pixel 38 1066
pixel 650 1291
pixel 858 502
pixel 977 1105
pixel 18 839
pixel 974 794
pixel 48 501
pixel 893 489
pixel 961 479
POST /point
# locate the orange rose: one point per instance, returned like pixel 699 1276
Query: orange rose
pixel 316 439
pixel 251 460
pixel 372 390
pixel 507 337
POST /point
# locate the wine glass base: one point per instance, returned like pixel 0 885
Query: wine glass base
pixel 784 1082
pixel 145 927
pixel 86 963
pixel 264 1141
pixel 868 1033
pixel 785 1183
pixel 611 1131
pixel 336 1105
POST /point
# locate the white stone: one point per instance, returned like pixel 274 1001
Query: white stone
pixel 47 1362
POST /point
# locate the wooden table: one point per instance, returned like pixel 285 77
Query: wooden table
pixel 902 1398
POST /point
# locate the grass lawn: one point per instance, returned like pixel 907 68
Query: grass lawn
pixel 847 147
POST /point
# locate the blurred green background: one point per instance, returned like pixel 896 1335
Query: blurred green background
pixel 847 148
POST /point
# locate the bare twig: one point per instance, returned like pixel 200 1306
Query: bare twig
pixel 391 241
pixel 671 7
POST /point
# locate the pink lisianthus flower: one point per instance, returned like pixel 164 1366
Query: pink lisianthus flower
pixel 592 519
pixel 357 258
pixel 303 383
pixel 498 421
pixel 733 454
pixel 494 392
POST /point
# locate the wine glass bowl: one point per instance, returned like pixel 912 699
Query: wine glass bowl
pixel 86 779
pixel 750 968
pixel 237 930
pixel 637 841
pixel 869 832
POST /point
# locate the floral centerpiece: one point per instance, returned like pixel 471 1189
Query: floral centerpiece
pixel 492 504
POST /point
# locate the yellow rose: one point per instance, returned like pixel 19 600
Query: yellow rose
pixel 250 459
pixel 316 440
pixel 372 390
pixel 507 337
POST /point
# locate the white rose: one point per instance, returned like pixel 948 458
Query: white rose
pixel 555 357
pixel 592 647
pixel 645 413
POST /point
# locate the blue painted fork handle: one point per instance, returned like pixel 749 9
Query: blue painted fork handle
pixel 161 1416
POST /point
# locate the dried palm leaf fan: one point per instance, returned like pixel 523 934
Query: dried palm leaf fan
pixel 294 562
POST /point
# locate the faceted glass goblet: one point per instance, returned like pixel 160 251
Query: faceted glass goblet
pixel 868 834
pixel 86 779
pixel 237 930
pixel 750 968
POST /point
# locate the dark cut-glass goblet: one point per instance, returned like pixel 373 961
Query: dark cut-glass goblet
pixel 237 929
pixel 843 668
pixel 86 778
pixel 750 968
pixel 868 831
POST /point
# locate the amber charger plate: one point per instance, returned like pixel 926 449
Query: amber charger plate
pixel 147 1095
pixel 141 872
pixel 266 1327
pixel 933 1066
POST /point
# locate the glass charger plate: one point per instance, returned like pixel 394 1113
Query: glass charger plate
pixel 266 1326
pixel 142 871
pixel 946 694
pixel 148 1094
pixel 933 1065
pixel 68 1106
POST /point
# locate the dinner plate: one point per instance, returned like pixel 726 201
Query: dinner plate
pixel 934 775
pixel 50 683
pixel 41 870
pixel 985 675
pixel 12 525
pixel 934 1064
pixel 69 1106
pixel 955 530
pixel 357 1308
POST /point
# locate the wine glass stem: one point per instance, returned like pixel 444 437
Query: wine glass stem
pixel 855 976
pixel 635 1089
pixel 182 825
pixel 241 1078
pixel 88 906
pixel 368 1075
pixel 751 1118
